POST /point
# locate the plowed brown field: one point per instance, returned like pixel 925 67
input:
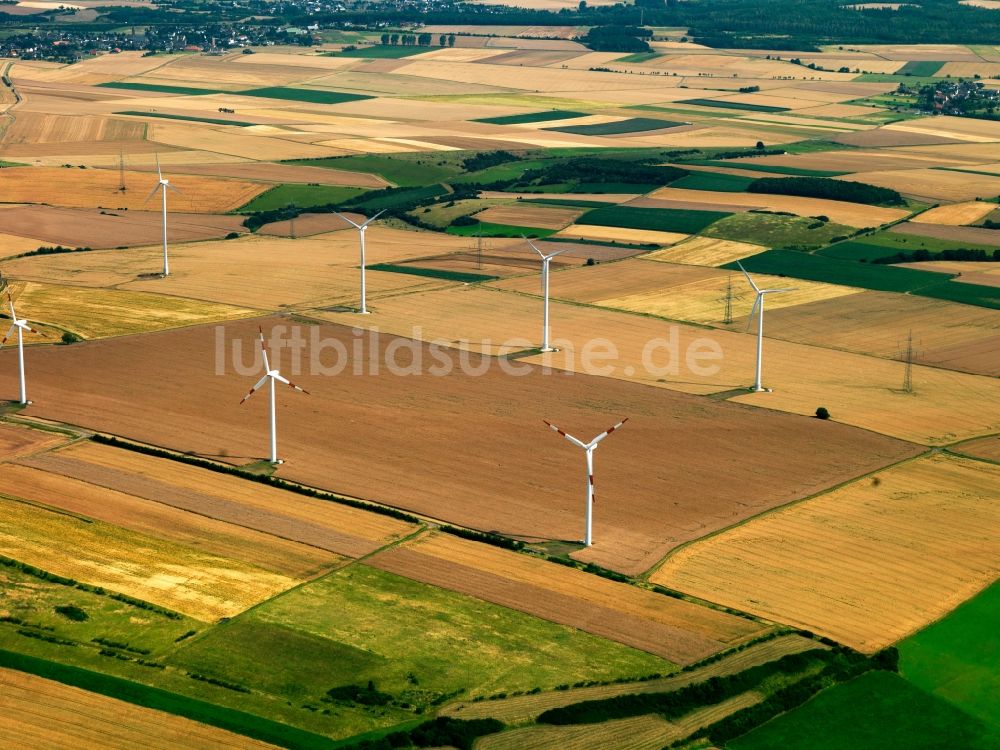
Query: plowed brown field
pixel 20 441
pixel 674 629
pixel 469 449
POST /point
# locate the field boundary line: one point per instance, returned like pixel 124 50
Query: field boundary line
pixel 666 558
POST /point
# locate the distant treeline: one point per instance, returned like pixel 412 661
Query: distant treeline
pixel 822 187
pixel 961 253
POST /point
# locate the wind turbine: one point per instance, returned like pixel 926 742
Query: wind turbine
pixel 274 376
pixel 163 185
pixel 362 228
pixel 589 448
pixel 758 307
pixel 545 290
pixel 19 325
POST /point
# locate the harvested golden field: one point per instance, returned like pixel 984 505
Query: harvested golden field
pixel 90 188
pixel 957 214
pixel 521 709
pixel 226 141
pixel 317 523
pixel 649 732
pixel 704 301
pixel 39 480
pixel 859 390
pixel 16 441
pixel 970 69
pixel 96 228
pixel 706 251
pixel 339 438
pixel 932 184
pixel 97 313
pixel 852 564
pixel 201 585
pixel 619 234
pixel 945 334
pixel 676 630
pixel 36 713
pixel 851 214
pixel 541 217
pixel 266 172
pixel 966 271
pixel 40 128
pixel 959 128
pixel 11 244
pixel 324 273
pixel 860 160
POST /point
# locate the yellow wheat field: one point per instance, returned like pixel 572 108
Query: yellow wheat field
pixel 957 214
pixel 706 251
pixel 853 564
pixel 38 713
pixel 203 586
pixel 98 313
pixel 620 234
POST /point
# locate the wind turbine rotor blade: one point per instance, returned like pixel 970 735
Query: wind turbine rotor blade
pixel 356 226
pixel 566 435
pixel 290 384
pixel 755 287
pixel 550 256
pixel 607 432
pixel 771 291
pixel 159 174
pixel 9 332
pixel 263 350
pixel 369 221
pixel 254 389
pixel 172 186
pixel 535 248
pixel 753 311
pixel 151 194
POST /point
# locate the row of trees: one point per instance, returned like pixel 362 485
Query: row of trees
pixel 418 40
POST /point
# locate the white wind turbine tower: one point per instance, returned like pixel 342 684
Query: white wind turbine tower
pixel 19 325
pixel 275 377
pixel 362 228
pixel 163 185
pixel 758 307
pixel 589 448
pixel 545 290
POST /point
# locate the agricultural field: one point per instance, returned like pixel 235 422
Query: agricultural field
pixel 850 563
pixel 411 573
pixel 636 530
pixel 675 630
pixel 43 713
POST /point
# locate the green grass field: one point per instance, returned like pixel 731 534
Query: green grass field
pixel 631 125
pixel 488 229
pixel 382 52
pixel 727 183
pixel 188 118
pixel 956 658
pixel 968 294
pixel 552 114
pixel 377 200
pixel 725 104
pixel 800 265
pixel 302 196
pixel 433 273
pixel 313 96
pixel 639 57
pixel 184 90
pixel 877 710
pixel 777 230
pixel 417 643
pixel 921 68
pixel 769 168
pixel 658 219
pixel 416 170
pixel 509 171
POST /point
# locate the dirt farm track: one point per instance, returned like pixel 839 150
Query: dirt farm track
pixel 471 450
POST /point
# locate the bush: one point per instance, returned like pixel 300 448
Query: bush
pixel 822 187
pixel 72 612
pixel 464 221
pixel 365 696
pixel 822 413
pixel 69 337
pixel 232 235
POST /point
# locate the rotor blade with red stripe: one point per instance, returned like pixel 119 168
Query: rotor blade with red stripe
pixel 607 432
pixel 255 388
pixel 566 435
pixel 263 349
pixel 290 384
pixel 7 336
